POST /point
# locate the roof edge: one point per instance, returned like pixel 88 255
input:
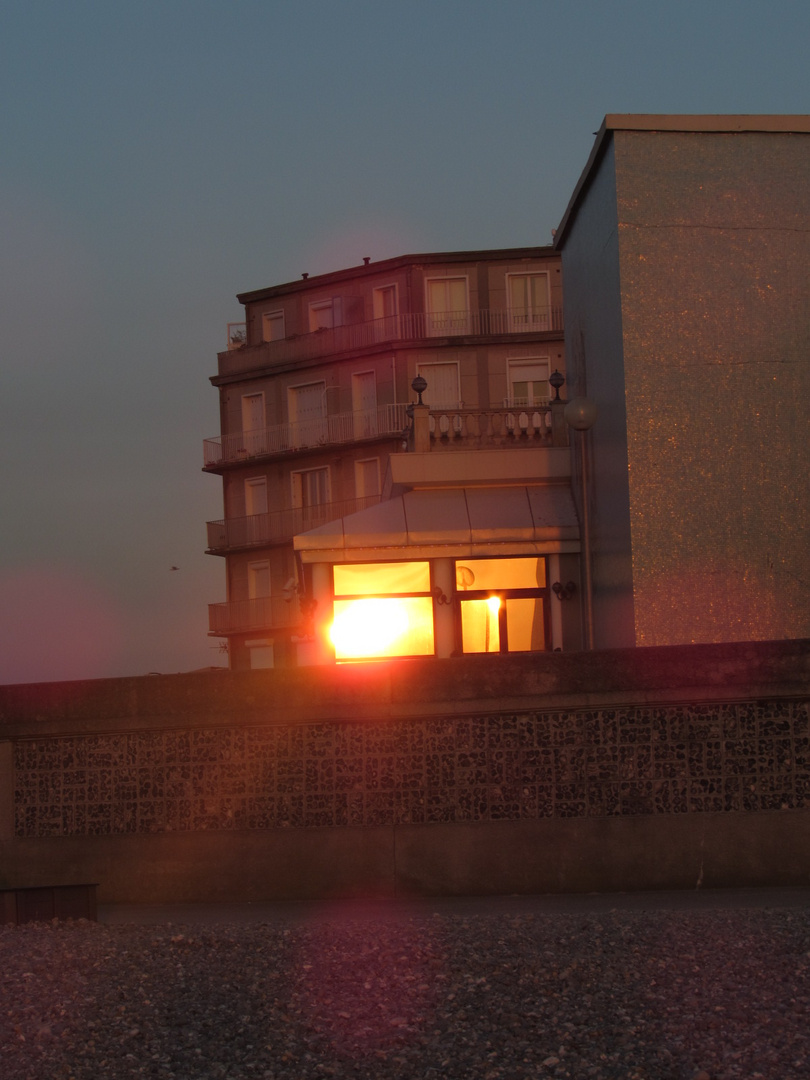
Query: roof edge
pixel 728 122
pixel 683 122
pixel 537 252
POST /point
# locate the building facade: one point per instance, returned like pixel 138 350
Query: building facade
pixel 392 451
pixel 329 458
pixel 685 249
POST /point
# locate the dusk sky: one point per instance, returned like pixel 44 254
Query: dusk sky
pixel 159 157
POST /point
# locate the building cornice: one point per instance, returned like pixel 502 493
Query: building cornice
pixel 400 261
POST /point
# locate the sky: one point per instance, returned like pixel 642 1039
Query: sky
pixel 156 158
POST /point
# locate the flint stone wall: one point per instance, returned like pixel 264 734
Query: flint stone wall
pixel 402 767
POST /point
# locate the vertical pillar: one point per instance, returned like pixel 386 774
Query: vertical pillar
pixel 556 605
pixel 559 428
pixel 443 579
pixel 421 429
pixel 319 650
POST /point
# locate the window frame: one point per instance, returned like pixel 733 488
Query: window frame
pixel 297 487
pixel 452 327
pixel 269 317
pixel 320 305
pixel 405 594
pixel 505 594
pixel 424 365
pixel 513 362
pixel 532 320
pixel 357 472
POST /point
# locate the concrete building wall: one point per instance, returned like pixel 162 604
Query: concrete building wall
pixel 594 293
pixel 629 769
pixel 713 256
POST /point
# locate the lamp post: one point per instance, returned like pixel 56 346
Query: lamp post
pixel 580 414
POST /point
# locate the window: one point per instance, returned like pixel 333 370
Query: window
pixel 442 385
pixel 307 411
pixel 364 404
pixel 321 315
pixel 272 325
pixel 528 300
pixel 253 424
pixel 258 580
pixel 261 654
pixel 385 307
pixel 310 493
pixel 255 525
pixel 447 306
pixel 528 382
pixel 256 495
pixel 384 302
pixel 382 610
pixel 367 478
pixel 503 604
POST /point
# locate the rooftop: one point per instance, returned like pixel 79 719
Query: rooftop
pixel 681 122
pixel 369 268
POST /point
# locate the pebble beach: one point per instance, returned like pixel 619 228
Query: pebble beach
pixel 637 995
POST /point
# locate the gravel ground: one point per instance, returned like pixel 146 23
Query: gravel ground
pixel 641 995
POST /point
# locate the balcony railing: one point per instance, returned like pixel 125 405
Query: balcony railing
pixel 237 335
pixel 459 428
pixel 262 613
pixel 325 431
pixel 407 327
pixel 279 525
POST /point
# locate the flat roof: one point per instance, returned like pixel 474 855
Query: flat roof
pixel 383 265
pixel 683 122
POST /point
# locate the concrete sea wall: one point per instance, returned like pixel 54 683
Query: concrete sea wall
pixel 674 767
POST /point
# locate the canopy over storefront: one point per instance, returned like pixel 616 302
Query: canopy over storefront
pixel 454 522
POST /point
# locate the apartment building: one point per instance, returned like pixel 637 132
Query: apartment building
pixel 396 413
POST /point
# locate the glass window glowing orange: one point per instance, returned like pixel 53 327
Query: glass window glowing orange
pixel 372 579
pixel 479 625
pixel 520 573
pixel 377 627
pixel 525 626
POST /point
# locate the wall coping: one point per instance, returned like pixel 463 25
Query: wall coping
pixel 661 675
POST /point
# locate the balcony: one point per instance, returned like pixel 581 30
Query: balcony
pixel 474 429
pixel 416 326
pixel 244 616
pixel 385 420
pixel 278 526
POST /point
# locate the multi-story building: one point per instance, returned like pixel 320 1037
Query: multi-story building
pixel 333 465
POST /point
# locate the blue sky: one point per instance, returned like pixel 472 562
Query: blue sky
pixel 159 157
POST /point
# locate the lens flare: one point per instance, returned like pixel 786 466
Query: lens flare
pixel 368 627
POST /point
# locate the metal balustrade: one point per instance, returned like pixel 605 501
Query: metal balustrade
pixel 414 326
pixel 260 613
pixel 279 525
pixel 321 431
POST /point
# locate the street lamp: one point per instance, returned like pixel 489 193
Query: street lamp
pixel 580 414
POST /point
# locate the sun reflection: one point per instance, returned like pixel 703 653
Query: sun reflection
pixel 382 626
pixel 368 627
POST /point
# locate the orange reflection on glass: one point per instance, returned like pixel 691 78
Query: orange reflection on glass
pixel 383 626
pixel 519 573
pixel 525 627
pixel 479 625
pixel 368 579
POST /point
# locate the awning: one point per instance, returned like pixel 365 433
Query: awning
pixel 455 522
